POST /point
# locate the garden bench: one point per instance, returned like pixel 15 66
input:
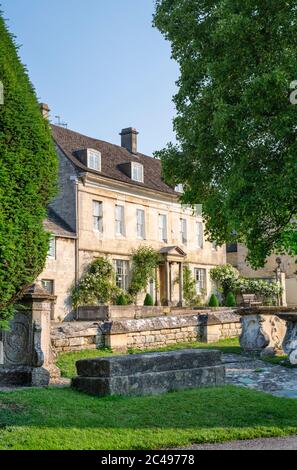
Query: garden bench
pixel 249 300
pixel 149 373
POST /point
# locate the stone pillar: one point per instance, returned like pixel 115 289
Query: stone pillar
pixel 27 355
pixel 284 292
pixel 181 285
pixel 167 284
pixel 157 287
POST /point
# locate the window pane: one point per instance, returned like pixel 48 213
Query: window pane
pixel 183 231
pixel 200 235
pixel 137 172
pixel 200 277
pixel 119 216
pixel 122 274
pixel 140 223
pixel 94 161
pixel 52 248
pixel 98 216
pixel 48 285
pixel 162 227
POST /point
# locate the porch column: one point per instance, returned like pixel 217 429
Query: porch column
pixel 157 287
pixel 181 285
pixel 167 283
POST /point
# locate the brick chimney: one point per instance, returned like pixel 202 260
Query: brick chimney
pixel 129 139
pixel 45 110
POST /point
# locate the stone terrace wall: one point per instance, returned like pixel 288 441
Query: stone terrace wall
pixel 76 336
pixel 145 333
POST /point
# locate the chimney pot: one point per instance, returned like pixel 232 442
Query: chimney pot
pixel 129 139
pixel 45 110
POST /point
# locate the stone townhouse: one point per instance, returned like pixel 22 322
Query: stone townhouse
pixel 236 255
pixel 113 199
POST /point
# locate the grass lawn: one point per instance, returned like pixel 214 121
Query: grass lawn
pixel 66 361
pixel 60 418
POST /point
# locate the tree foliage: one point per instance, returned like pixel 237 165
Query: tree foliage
pixel 236 128
pixel 28 172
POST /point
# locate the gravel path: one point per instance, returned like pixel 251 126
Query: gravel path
pixel 286 443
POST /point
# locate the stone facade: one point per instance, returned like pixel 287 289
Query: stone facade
pixel 288 266
pixel 60 271
pixel 81 187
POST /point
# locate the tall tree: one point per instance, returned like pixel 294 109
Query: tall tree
pixel 28 172
pixel 236 128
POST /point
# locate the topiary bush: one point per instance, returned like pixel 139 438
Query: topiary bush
pixel 28 175
pixel 148 301
pixel 213 301
pixel 121 300
pixel 230 301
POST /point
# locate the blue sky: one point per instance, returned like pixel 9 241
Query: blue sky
pixel 99 64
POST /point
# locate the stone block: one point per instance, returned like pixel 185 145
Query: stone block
pixel 117 342
pixel 149 373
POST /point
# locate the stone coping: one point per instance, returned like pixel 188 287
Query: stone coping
pixel 267 311
pixel 167 323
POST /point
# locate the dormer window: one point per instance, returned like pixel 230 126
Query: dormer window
pixel 137 172
pixel 179 188
pixel 94 160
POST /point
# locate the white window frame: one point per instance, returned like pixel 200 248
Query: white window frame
pixel 183 231
pixel 52 249
pixel 200 234
pixel 137 172
pixel 98 216
pixel 94 160
pixel 162 228
pixel 120 222
pixel 140 224
pixel 201 281
pixel 179 188
pixel 122 270
pixel 48 282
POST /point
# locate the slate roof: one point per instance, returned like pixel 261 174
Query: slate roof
pixel 57 226
pixel 112 159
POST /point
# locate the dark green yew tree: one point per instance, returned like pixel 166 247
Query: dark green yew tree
pixel 236 128
pixel 28 172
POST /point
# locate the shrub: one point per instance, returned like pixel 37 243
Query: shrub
pixel 213 301
pixel 97 285
pixel 28 174
pixel 226 277
pixel 148 301
pixel 230 301
pixel 121 300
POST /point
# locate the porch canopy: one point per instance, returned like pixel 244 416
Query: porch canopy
pixel 171 255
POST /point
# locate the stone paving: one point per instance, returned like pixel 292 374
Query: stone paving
pixel 259 375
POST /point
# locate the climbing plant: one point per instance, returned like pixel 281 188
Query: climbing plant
pixel 97 286
pixel 144 262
